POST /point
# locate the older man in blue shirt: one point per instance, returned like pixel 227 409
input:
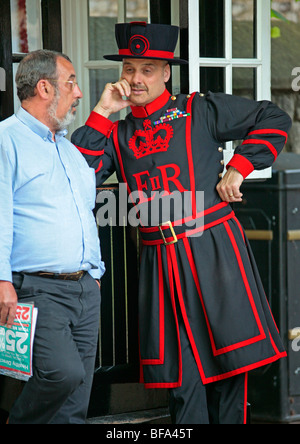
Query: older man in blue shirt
pixel 49 246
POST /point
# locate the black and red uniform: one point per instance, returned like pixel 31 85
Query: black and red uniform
pixel 199 285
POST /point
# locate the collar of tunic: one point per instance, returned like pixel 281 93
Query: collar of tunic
pixel 143 112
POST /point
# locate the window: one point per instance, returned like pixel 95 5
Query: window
pixel 103 15
pixel 26 25
pixel 229 47
pixel 88 29
pixel 230 51
pixel 26 32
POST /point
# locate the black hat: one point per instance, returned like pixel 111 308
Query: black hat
pixel 139 40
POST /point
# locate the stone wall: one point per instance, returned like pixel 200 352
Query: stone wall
pixel 290 102
pixel 285 57
pixel 243 9
pixel 289 8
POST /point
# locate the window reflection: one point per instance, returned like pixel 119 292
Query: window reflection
pixel 26 25
pixel 212 28
pixel 103 15
pixel 212 79
pixel 98 79
pixel 244 29
pixel 244 82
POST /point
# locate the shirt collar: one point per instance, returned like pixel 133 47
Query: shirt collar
pixel 143 112
pixel 38 127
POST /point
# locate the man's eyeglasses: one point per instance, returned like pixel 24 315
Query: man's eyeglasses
pixel 70 82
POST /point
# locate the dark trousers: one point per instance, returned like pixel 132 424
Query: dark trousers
pixel 223 402
pixel 64 350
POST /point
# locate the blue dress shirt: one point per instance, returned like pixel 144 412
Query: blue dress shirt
pixel 47 194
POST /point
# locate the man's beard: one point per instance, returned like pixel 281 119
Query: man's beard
pixel 62 124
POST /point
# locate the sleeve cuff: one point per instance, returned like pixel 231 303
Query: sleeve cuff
pixel 243 165
pixel 6 273
pixel 100 124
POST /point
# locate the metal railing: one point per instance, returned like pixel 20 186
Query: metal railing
pixel 118 333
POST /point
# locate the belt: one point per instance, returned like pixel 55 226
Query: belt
pixel 169 233
pixel 62 277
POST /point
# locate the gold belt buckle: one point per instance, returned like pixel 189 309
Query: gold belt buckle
pixel 175 240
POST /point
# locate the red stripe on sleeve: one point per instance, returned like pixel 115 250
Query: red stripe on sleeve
pixel 99 167
pixel 90 152
pixel 243 165
pixel 100 124
pixel 270 131
pixel 262 142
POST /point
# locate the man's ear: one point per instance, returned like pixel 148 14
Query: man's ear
pixel 44 89
pixel 167 73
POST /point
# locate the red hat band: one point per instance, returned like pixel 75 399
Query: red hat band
pixel 139 46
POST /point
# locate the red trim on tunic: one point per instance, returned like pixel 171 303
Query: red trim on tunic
pixel 173 268
pixel 117 147
pixel 100 124
pixel 240 228
pixel 190 153
pixel 270 131
pixel 183 310
pixel 246 398
pixel 245 369
pixel 188 219
pixel 249 293
pixel 218 352
pixel 99 167
pixel 243 165
pixel 141 112
pixel 172 294
pixel 243 234
pixel 90 152
pixel 118 151
pixel 262 142
pixel 161 358
pixel 190 232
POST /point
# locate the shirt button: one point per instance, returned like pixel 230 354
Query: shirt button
pixel 220 149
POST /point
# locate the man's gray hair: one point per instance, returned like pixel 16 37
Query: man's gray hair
pixel 37 65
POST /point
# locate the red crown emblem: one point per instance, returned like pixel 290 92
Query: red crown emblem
pixel 151 140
